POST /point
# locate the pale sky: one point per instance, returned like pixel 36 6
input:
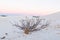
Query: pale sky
pixel 38 7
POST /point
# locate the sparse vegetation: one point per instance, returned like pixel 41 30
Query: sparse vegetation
pixel 35 23
pixel 3 15
pixel 3 37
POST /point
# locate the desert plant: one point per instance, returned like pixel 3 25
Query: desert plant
pixel 35 23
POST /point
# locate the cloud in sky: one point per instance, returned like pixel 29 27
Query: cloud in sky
pixel 42 7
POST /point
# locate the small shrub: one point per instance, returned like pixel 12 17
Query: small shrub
pixel 35 23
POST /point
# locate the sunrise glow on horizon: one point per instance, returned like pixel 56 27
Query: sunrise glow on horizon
pixel 33 7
